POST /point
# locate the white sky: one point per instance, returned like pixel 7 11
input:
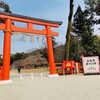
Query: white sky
pixel 56 10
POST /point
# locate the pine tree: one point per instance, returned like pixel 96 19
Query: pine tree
pixel 6 8
pixel 93 6
pixel 82 25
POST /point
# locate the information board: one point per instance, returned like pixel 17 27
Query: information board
pixel 68 64
pixel 91 64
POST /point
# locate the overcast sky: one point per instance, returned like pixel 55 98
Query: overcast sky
pixel 56 10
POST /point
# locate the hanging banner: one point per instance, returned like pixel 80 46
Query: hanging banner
pixel 90 64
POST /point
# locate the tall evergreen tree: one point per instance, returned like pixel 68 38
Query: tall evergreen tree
pixel 77 24
pixel 82 25
pixel 96 49
pixel 93 6
pixel 5 8
pixel 75 49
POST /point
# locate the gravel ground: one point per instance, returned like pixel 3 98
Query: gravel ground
pixel 69 87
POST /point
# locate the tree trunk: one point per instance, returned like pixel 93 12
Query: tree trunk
pixel 67 45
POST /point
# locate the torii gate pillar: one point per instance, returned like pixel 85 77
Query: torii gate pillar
pixel 50 53
pixel 6 50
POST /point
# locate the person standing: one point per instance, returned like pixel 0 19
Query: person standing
pixel 19 69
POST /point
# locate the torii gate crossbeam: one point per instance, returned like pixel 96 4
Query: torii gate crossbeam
pixel 8 27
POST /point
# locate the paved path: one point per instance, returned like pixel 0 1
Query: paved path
pixel 70 87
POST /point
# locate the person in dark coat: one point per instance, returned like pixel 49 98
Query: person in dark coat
pixel 19 69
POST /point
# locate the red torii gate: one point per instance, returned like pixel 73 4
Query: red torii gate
pixel 8 28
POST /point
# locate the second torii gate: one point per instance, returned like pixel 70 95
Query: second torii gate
pixel 8 27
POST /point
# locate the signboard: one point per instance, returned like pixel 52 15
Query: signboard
pixel 68 64
pixel 90 64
